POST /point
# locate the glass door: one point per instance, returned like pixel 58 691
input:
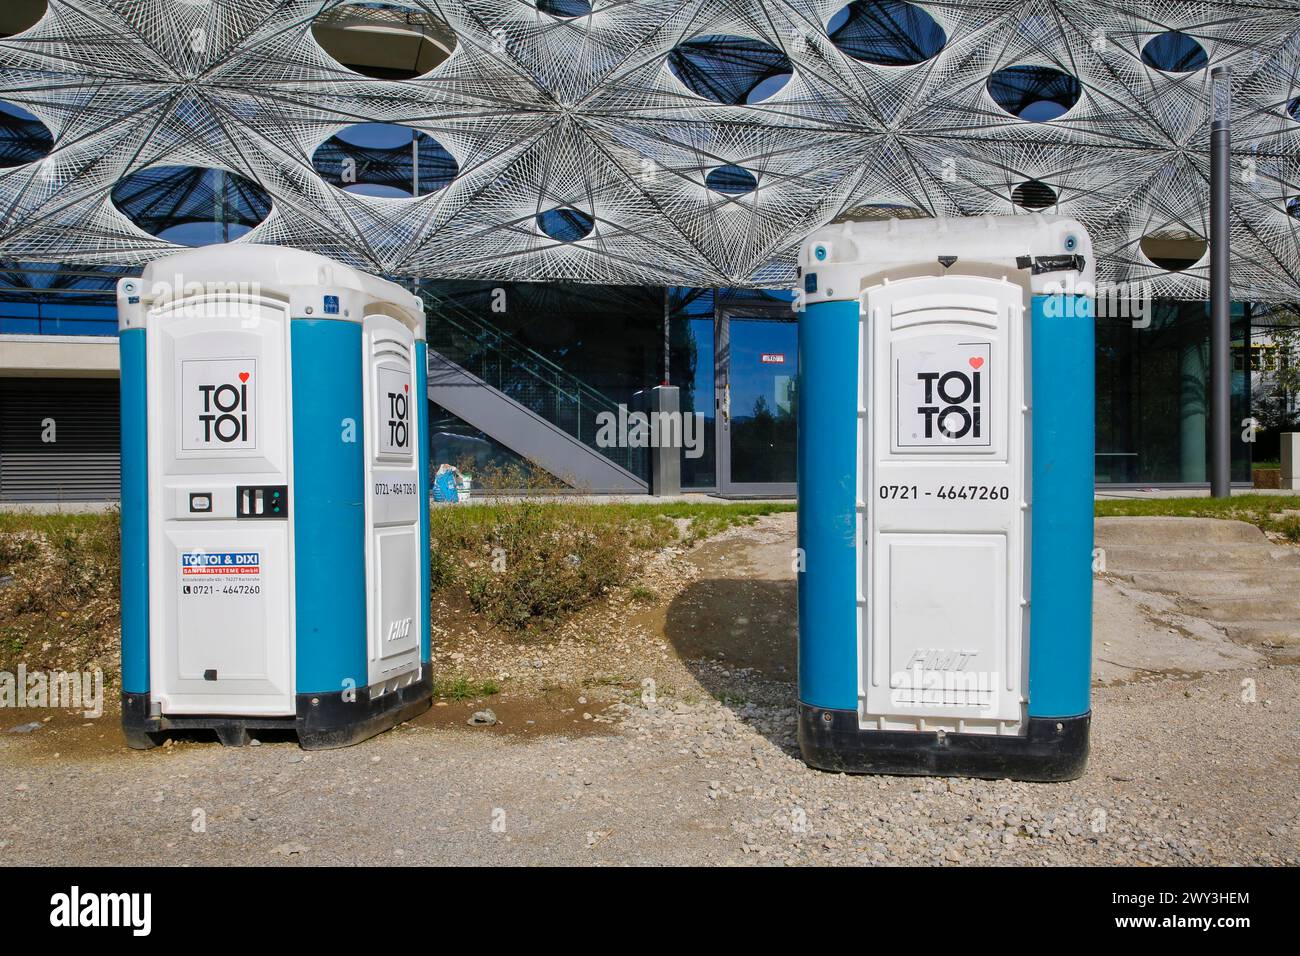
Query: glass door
pixel 757 374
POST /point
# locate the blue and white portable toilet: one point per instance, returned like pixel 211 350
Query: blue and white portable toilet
pixel 946 497
pixel 275 562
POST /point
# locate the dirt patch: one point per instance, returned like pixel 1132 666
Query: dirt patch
pixel 1140 636
pixel 64 733
pixel 751 624
pixel 70 735
pixel 556 712
pixel 742 608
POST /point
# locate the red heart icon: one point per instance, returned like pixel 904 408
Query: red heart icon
pixel 243 376
pixel 976 362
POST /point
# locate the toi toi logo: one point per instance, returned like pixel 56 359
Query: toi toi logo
pixel 397 419
pixel 394 411
pixel 224 410
pixel 953 401
pixel 942 387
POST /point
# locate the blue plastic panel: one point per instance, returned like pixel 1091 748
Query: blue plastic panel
pixel 329 520
pixel 1060 606
pixel 421 409
pixel 134 425
pixel 828 407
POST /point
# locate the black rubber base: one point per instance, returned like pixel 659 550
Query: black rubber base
pixel 323 721
pixel 1052 749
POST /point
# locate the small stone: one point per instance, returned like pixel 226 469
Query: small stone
pixel 26 728
pixel 482 718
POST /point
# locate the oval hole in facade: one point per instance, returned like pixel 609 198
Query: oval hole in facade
pixel 731 180
pixel 18 16
pixel 564 9
pixel 886 33
pixel 730 69
pixel 192 205
pixel 1173 249
pixel 384 41
pixel 565 224
pixel 1034 93
pixel 1033 194
pixel 1175 52
pixel 386 160
pixel 23 138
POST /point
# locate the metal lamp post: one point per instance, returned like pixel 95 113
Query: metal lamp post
pixel 1220 287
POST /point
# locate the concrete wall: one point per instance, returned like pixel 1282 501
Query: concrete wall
pixel 58 356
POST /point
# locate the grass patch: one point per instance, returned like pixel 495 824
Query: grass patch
pixel 464 688
pixel 1264 511
pixel 522 563
pixel 1289 528
pixel 59 585
pixel 529 561
pixel 705 519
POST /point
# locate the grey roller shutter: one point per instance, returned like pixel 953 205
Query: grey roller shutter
pixel 82 462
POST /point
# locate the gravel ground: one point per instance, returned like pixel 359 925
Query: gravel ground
pixel 586 767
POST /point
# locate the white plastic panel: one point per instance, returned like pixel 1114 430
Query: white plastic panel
pixel 394 610
pixel 946 637
pixel 229 620
pixel 221 609
pixel 942 544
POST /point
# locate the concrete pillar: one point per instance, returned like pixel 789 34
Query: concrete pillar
pixel 664 403
pixel 1290 461
pixel 1193 399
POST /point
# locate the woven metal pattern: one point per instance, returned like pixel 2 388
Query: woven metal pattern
pixel 622 113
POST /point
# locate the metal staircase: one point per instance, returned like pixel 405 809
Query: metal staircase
pixel 525 401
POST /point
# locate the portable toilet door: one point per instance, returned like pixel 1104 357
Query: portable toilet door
pixel 219 482
pixel 945 498
pixel 944 590
pixel 394 539
pixel 275 568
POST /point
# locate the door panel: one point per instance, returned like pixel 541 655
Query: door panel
pixel 394 612
pixel 757 415
pixel 220 565
pixel 942 504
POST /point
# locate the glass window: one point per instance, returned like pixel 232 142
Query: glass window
pixel 692 373
pixel 1153 413
pixel 454 442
